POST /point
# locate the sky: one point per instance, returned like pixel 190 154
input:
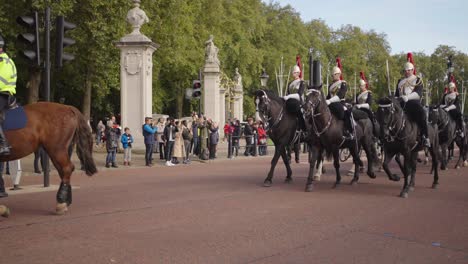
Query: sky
pixel 410 26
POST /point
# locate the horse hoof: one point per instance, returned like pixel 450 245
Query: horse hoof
pixel 288 180
pixel 404 195
pixel 465 164
pixel 309 187
pixel 353 182
pixel 350 173
pixel 435 185
pixel 316 178
pixel 61 208
pixel 457 167
pixel 336 185
pixel 4 211
pixel 371 175
pixel 411 189
pixel 395 177
pixel 361 169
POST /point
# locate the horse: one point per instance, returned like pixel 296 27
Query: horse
pixel 400 135
pixel 280 126
pixel 326 134
pixel 447 129
pixel 57 128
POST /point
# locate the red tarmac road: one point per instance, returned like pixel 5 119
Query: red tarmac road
pixel 220 213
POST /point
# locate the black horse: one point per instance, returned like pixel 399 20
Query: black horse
pixel 326 134
pixel 448 136
pixel 281 128
pixel 447 127
pixel 400 136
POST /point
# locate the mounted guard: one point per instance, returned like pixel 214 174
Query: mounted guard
pixel 294 95
pixel 335 100
pixel 451 104
pixel 364 100
pixel 409 91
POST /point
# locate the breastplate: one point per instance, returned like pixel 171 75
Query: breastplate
pixel 334 88
pixel 407 85
pixel 362 98
pixel 294 86
pixel 450 98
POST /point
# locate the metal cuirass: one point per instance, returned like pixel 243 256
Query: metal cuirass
pixel 450 98
pixel 406 85
pixel 362 98
pixel 335 87
pixel 294 86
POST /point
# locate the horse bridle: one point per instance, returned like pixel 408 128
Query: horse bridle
pixel 312 113
pixel 391 126
pixel 441 127
pixel 262 114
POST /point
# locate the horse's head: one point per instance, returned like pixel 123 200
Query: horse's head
pixel 314 100
pixel 434 114
pixel 262 102
pixel 388 116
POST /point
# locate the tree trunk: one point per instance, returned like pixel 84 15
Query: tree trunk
pixel 180 100
pixel 87 97
pixel 33 85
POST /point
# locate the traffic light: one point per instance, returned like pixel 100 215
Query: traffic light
pixel 196 89
pixel 31 38
pixel 63 26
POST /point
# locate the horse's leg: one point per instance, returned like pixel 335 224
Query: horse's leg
pixel 398 161
pixel 371 154
pixel 65 168
pixel 336 164
pixel 357 163
pixel 288 166
pixel 435 166
pixel 318 166
pixel 314 153
pixel 268 180
pixel 407 172
pixel 387 159
pixel 444 161
pixel 414 157
pixel 297 149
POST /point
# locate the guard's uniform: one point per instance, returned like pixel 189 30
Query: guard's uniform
pixel 294 98
pixel 451 104
pixel 7 90
pixel 411 88
pixel 336 97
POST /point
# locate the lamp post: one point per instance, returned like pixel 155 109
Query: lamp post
pixel 463 90
pixel 264 78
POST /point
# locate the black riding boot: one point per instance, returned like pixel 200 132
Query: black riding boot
pixel 424 138
pixel 4 146
pixel 349 131
pixel 460 127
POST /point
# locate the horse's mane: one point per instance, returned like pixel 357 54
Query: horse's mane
pixel 272 95
pixel 388 100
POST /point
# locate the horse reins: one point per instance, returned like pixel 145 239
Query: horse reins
pixel 314 125
pixel 267 121
pixel 392 127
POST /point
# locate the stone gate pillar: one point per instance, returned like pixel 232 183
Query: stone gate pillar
pixel 211 92
pixel 238 97
pixel 136 71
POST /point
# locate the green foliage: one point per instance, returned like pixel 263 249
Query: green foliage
pixel 250 35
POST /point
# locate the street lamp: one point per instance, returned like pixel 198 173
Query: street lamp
pixel 264 78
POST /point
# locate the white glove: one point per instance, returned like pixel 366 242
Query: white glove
pixel 450 108
pixel 405 98
pixel 328 102
pixel 358 106
pixel 442 106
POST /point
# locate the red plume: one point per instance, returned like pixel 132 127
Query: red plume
pixel 409 57
pixel 338 64
pixel 299 64
pixel 363 77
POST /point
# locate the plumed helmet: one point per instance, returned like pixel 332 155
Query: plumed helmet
pixel 452 86
pixel 362 83
pixel 336 70
pixel 2 42
pixel 296 69
pixel 409 66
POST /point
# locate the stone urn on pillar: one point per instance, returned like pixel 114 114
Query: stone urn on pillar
pixel 136 70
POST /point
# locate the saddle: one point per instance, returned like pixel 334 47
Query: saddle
pixel 15 117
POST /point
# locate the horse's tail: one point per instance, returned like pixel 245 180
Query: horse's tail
pixel 84 144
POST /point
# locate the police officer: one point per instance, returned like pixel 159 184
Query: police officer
pixel 7 90
pixel 294 96
pixel 451 104
pixel 335 100
pixel 364 100
pixel 409 91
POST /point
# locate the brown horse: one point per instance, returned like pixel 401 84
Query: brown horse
pixel 57 128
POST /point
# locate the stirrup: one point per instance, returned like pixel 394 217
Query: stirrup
pixel 5 150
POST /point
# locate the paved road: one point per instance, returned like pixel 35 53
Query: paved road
pixel 218 212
